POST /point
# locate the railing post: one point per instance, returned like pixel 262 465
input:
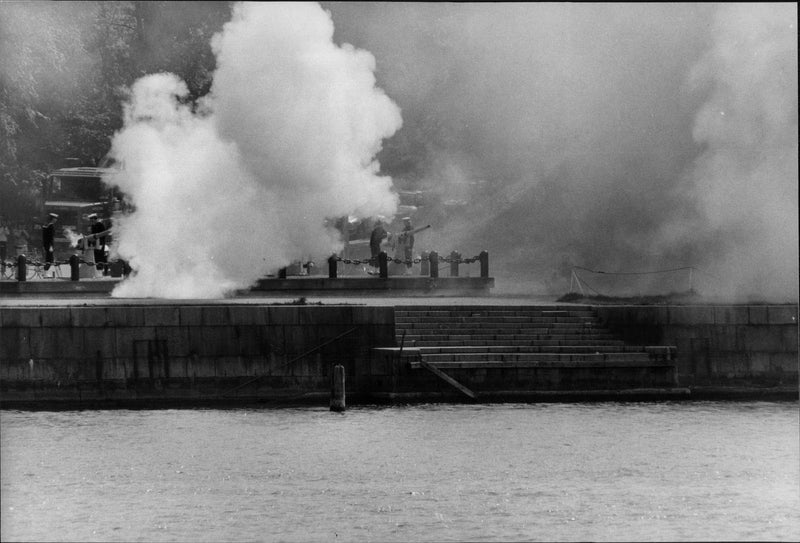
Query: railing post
pixel 434 260
pixel 455 256
pixel 21 268
pixel 484 259
pixel 74 268
pixel 424 265
pixel 332 266
pixel 383 264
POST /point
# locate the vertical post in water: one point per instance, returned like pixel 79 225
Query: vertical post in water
pixel 337 389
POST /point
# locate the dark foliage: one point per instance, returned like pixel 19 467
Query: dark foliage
pixel 65 69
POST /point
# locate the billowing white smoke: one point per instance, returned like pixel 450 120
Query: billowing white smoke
pixel 243 185
pixel 571 130
pixel 747 176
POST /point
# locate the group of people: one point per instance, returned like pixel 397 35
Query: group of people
pixel 93 244
pixel 404 242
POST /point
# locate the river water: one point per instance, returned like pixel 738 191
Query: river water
pixel 565 472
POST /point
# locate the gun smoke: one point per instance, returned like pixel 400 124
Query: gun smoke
pixel 618 137
pixel 243 184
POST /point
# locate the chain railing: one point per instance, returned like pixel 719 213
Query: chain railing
pixel 429 263
pixel 23 269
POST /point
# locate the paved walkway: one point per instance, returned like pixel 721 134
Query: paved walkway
pixel 272 299
pixel 49 293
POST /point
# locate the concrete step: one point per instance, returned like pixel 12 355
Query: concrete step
pixel 494 313
pixel 587 358
pixel 517 337
pixel 484 308
pixel 476 327
pixel 540 343
pixel 401 320
pixel 524 349
pixel 504 337
pixel 499 334
pixel 516 363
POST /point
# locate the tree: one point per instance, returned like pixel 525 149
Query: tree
pixel 66 67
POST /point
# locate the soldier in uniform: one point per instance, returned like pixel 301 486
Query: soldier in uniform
pixel 99 244
pixel 378 235
pixel 48 240
pixel 407 241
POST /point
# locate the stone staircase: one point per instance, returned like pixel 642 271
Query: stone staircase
pixel 539 347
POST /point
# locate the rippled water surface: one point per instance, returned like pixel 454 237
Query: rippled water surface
pixel 664 471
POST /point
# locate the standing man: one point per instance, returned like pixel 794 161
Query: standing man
pixel 48 240
pixel 378 235
pixel 99 243
pixel 407 240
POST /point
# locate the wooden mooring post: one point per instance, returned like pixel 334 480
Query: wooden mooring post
pixel 337 389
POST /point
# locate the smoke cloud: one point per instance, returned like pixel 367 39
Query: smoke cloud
pixel 242 185
pixel 617 137
pixel 746 178
pixel 614 137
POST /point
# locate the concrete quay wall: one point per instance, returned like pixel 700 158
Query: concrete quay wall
pixel 106 355
pixel 214 352
pixel 719 345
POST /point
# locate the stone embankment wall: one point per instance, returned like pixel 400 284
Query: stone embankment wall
pixel 186 351
pixel 717 345
pixel 147 354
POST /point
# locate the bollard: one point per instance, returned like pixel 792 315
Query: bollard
pixel 332 266
pixel 74 268
pixel 434 261
pixel 282 273
pixel 424 265
pixel 455 256
pixel 484 259
pixel 383 264
pixel 337 389
pixel 116 268
pixel 21 268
